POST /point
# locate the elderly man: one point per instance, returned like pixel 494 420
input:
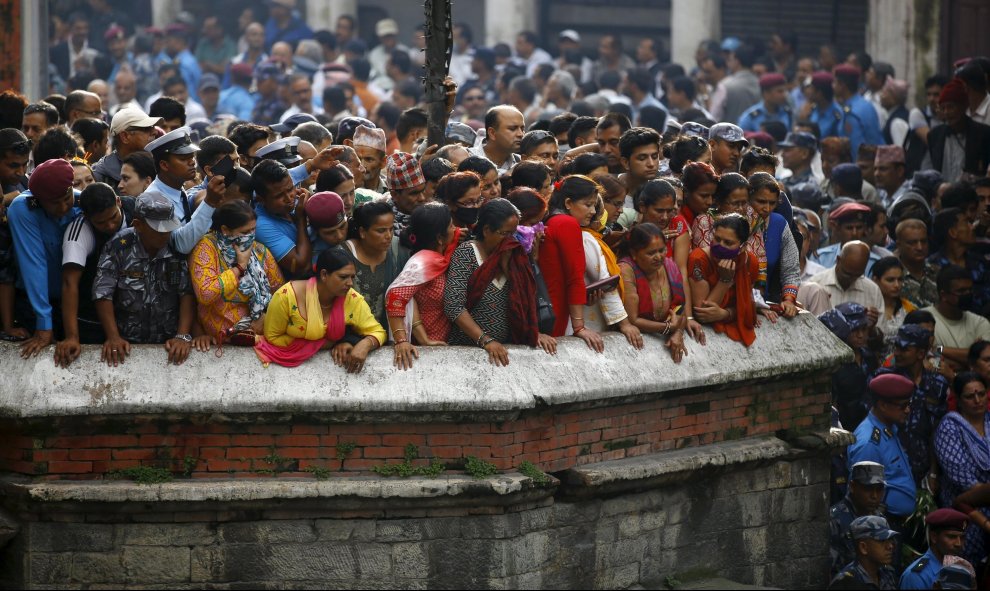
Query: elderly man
pixel 81 104
pixel 893 98
pixel 369 143
pixel 131 130
pixel 406 185
pixel 125 87
pixel 845 282
pixel 505 127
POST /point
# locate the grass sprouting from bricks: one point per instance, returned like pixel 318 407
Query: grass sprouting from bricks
pixel 479 468
pixel 528 469
pixel 345 449
pixel 142 474
pixel 319 472
pixel 405 469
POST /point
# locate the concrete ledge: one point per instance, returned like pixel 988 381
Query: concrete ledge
pixel 445 381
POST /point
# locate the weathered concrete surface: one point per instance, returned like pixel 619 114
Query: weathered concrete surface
pixel 205 384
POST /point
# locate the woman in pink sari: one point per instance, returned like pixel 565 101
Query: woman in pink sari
pixel 414 301
pixel 307 316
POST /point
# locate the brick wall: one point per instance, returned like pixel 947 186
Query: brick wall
pixel 293 445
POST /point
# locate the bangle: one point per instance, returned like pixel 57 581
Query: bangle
pixel 400 341
pixel 480 338
pixel 239 268
pixel 487 341
pixel 578 330
pixel 402 330
pixel 417 323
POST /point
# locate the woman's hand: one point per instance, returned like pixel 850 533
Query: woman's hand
pixel 355 361
pixel 709 312
pixel 340 352
pixel 404 355
pixel 242 257
pixel 497 354
pixel 632 333
pixel 203 342
pixel 592 339
pixel 258 326
pixel 726 270
pixel 769 314
pixel 696 331
pixel 676 345
pixel 789 309
pixel 547 343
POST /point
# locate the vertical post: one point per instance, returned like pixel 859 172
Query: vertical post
pixel 34 49
pixel 439 44
pixel 691 22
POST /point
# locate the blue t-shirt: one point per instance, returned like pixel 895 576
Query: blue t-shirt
pixel 276 233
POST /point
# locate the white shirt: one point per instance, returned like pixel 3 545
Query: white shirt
pixel 962 333
pixel 863 291
pixel 539 56
pixel 609 310
pixel 982 113
pixel 78 242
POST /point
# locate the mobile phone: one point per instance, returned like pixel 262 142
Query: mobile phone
pixel 225 168
pixel 607 284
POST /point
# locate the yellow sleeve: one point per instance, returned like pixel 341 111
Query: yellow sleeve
pixel 272 270
pixel 358 315
pixel 277 316
pixel 208 281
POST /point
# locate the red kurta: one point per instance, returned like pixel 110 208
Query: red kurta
pixel 562 265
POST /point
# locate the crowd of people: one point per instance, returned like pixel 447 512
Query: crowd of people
pixel 187 188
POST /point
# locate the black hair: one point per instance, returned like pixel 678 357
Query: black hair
pixel 409 120
pixel 717 59
pixel 653 190
pixel 919 317
pixel 734 222
pixel 653 118
pixel 544 71
pixel 936 80
pixel 11 137
pixel 610 79
pixel 465 31
pixel 143 164
pixel 58 101
pixel 175 81
pixel 232 214
pixel 682 151
pixel 168 108
pixel 757 157
pixel 492 215
pixel 265 174
pixel 242 180
pixel 47 109
pixel 534 139
pixel 975 350
pixel 401 60
pixel 54 143
pixel 965 377
pixel 334 98
pixel 621 109
pixel 643 79
pixel 581 108
pixel 331 178
pixel 883 70
pixel 332 259
pixel 478 164
pixel 960 195
pixel 639 237
pixel 362 68
pixel 527 174
pixel 454 186
pixel 944 221
pixel 96 198
pixel 729 182
pixel 528 201
pixel 427 224
pixel 572 187
pixel 948 274
pixel 90 130
pixel 685 85
pixel 247 134
pixel 761 181
pixel 389 113
pixel 365 215
pixel 637 137
pixel 885 264
pixel 562 123
pixel 326 39
pixel 585 163
pixel 539 125
pixel 611 119
pixel 746 55
pixel 579 127
pixel 435 169
pixel 212 148
pixel 410 88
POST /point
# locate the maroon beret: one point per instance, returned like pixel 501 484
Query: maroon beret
pixel 771 80
pixel 892 386
pixel 325 210
pixel 846 70
pixel 242 70
pixel 821 79
pixel 114 32
pixel 954 93
pixel 51 180
pixel 947 518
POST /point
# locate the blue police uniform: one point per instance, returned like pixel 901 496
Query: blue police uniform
pixel 921 573
pixel 237 101
pixel 829 120
pixel 753 117
pixel 860 123
pixel 875 442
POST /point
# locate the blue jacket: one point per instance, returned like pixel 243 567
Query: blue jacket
pixel 758 114
pixel 860 123
pixel 294 33
pixel 238 102
pixel 38 248
pixel 875 442
pixel 829 120
pixel 921 573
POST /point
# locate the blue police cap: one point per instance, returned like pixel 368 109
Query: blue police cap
pixel 913 335
pixel 855 314
pixel 835 322
pixel 955 576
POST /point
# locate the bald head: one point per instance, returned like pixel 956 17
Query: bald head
pixel 282 53
pixel 851 263
pixel 125 86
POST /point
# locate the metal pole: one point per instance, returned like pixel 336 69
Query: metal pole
pixel 34 49
pixel 439 45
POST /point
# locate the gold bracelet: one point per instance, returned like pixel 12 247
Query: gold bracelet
pixel 417 323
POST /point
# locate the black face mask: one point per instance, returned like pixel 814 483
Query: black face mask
pixel 467 216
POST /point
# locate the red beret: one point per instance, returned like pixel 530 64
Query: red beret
pixel 822 78
pixel 760 138
pixel 114 32
pixel 848 210
pixel 846 70
pixel 954 93
pixel 892 386
pixel 947 518
pixel 242 70
pixel 325 210
pixel 768 81
pixel 51 180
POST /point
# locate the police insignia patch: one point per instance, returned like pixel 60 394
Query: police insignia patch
pixel 919 566
pixel 875 437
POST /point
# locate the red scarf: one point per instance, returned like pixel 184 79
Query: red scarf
pixel 523 326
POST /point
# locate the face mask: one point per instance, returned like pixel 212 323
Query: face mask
pixel 467 215
pixel 722 253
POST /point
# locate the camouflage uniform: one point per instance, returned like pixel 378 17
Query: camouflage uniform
pixel 146 291
pixel 922 293
pixel 854 576
pixel 841 548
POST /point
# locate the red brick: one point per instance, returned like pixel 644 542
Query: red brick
pixel 361 465
pixel 405 439
pixel 449 439
pixel 157 440
pixel 114 441
pixel 209 453
pixel 384 452
pixel 227 465
pixel 358 440
pixel 122 464
pixel 275 429
pixel 70 442
pixel 682 422
pixel 62 467
pixel 236 453
pixel 310 429
pixel 297 441
pixel 252 440
pixel 45 455
pixel 29 468
pixel 447 452
pixel 508 451
pixel 131 454
pixel 89 454
pixel 298 452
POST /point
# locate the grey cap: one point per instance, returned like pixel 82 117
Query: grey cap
pixel 693 129
pixel 800 139
pixel 868 473
pixel 284 150
pixel 178 141
pixel 157 211
pixel 209 81
pixel 461 132
pixel 727 132
pixel 871 527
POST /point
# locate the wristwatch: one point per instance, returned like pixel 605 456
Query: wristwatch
pixel 184 337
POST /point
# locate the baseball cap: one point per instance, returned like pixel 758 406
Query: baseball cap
pixel 325 210
pixel 693 129
pixel 386 26
pixel 836 323
pixel 800 139
pixel 285 150
pixel 913 335
pixel 293 122
pixel 178 141
pixel 130 117
pixel 157 211
pixel 209 81
pixel 728 132
pixel 570 35
pixel 867 473
pixel 855 314
pixel 51 180
pixel 872 527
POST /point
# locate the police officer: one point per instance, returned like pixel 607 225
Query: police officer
pixel 874 543
pixel 142 289
pixel 930 398
pixel 773 107
pixel 285 151
pixel 847 222
pixel 859 117
pixel 877 441
pixel 799 149
pixel 821 108
pixel 946 534
pixel 864 497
